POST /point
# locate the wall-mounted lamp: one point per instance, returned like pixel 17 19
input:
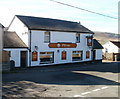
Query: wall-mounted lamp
pixel 36 48
pixel 58 51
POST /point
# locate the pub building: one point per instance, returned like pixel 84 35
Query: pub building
pixel 45 41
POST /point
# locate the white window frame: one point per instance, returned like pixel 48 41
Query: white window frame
pixel 77 37
pixel 77 52
pixel 88 52
pixel 46 54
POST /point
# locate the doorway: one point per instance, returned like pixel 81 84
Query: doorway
pixel 23 59
pixel 94 55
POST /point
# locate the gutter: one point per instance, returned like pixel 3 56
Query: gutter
pixel 92 50
pixel 89 32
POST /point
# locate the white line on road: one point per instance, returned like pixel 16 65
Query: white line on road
pixel 96 90
pixel 104 87
pixel 90 92
pixel 85 93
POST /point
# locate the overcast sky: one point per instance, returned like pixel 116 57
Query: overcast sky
pixel 49 9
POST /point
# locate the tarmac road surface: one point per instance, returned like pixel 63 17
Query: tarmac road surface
pixel 71 80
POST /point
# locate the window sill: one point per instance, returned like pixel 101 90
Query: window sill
pixel 77 60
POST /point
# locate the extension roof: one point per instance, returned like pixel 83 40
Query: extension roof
pixel 12 40
pixel 96 44
pixel 39 23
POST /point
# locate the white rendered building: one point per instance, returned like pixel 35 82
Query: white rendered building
pixel 51 41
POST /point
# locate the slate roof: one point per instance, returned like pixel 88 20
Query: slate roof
pixel 96 44
pixel 39 23
pixel 117 43
pixel 12 40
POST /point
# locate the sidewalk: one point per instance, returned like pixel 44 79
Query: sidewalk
pixel 109 61
pixel 56 67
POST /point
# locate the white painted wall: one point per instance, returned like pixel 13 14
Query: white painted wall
pixel 38 40
pixel 15 55
pixel 62 37
pixel 98 54
pixel 110 47
pixel 20 29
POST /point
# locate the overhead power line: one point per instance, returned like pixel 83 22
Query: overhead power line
pixel 84 9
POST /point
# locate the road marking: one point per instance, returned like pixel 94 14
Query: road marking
pixel 78 96
pixel 90 92
pixel 104 87
pixel 85 93
pixel 96 90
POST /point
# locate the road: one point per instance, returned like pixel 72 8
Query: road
pixel 72 80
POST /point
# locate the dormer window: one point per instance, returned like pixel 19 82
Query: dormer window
pixel 47 37
pixel 77 37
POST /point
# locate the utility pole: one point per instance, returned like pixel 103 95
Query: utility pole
pixel 1 49
pixel 1 45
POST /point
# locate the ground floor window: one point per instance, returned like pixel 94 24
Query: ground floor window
pixel 64 55
pixel 77 55
pixel 87 54
pixel 46 57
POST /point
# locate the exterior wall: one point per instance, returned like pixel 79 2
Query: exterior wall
pixel 119 50
pixel 38 40
pixel 98 54
pixel 20 29
pixel 15 55
pixel 111 48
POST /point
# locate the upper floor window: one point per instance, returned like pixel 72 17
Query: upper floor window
pixel 77 37
pixel 47 37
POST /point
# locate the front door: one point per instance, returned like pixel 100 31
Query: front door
pixel 94 55
pixel 23 59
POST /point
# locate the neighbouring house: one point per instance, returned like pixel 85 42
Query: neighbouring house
pixel 40 41
pixel 17 48
pixel 112 50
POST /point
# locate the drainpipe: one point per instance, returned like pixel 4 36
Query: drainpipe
pixel 30 49
pixel 92 50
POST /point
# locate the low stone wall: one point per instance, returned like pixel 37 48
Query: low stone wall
pixel 111 56
pixel 108 56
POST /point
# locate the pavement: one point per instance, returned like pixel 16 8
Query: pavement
pixel 66 80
